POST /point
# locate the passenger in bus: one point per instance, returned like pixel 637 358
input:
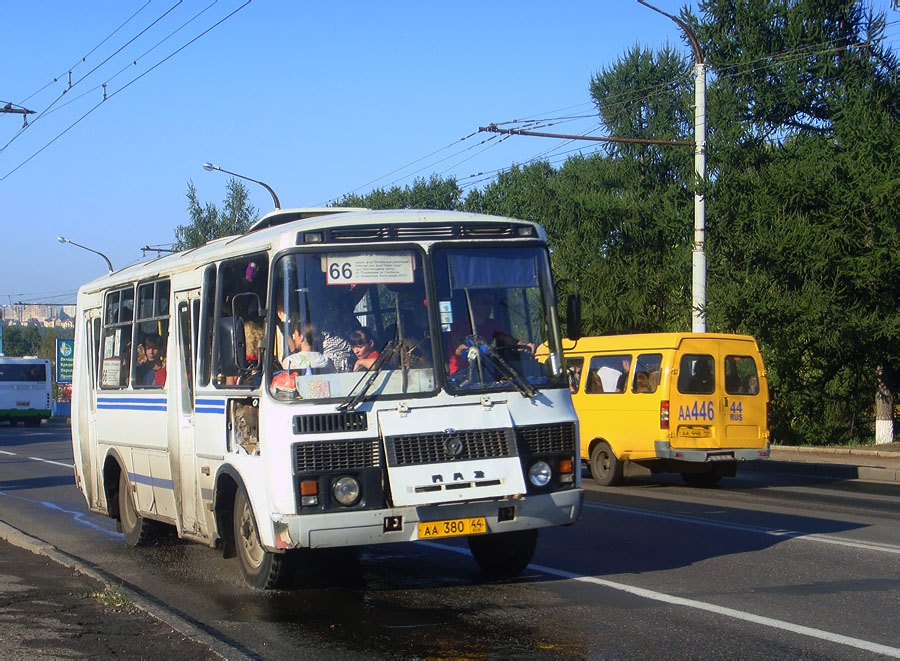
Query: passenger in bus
pixel 642 382
pixel 751 385
pixel 304 357
pixel 490 330
pixel 336 328
pixel 152 372
pixel 363 341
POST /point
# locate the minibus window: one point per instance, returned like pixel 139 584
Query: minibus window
pixel 608 374
pixel 741 377
pixel 646 373
pixel 573 372
pixel 695 374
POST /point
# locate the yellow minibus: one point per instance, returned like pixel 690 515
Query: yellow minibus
pixel 689 403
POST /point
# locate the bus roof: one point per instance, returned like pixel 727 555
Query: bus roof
pixel 280 229
pixel 645 341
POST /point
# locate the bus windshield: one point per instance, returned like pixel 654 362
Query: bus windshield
pixel 493 317
pixel 342 320
pixel 349 323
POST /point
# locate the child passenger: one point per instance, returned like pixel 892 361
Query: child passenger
pixel 362 342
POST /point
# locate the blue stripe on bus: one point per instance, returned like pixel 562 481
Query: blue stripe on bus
pixel 149 480
pixel 210 406
pixel 132 403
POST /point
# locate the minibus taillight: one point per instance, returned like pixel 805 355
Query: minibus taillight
pixel 664 414
pixel 768 413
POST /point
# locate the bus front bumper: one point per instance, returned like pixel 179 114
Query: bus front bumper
pixel 360 528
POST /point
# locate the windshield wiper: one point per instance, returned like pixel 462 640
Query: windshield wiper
pixel 353 398
pixel 502 366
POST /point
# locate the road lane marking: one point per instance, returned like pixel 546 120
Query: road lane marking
pixel 800 629
pixel 55 463
pixel 46 461
pixel 849 641
pixel 772 532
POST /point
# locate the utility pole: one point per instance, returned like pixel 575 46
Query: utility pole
pixel 698 258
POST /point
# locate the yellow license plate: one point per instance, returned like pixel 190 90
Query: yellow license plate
pixel 452 528
pixel 693 432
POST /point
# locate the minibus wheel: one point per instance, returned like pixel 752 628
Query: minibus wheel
pixel 606 469
pixel 138 530
pixel 504 554
pixel 261 569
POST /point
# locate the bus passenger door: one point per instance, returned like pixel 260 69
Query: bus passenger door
pixel 183 457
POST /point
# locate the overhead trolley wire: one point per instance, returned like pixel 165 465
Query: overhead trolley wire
pixel 125 86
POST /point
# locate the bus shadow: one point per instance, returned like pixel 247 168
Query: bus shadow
pixel 48 482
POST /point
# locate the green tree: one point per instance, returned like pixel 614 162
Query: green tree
pixel 802 235
pixel 208 222
pixel 433 193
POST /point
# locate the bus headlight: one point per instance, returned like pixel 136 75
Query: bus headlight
pixel 346 490
pixel 540 473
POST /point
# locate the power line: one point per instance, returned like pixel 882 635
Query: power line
pixel 123 88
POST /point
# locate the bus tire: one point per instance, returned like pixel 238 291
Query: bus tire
pixel 702 480
pixel 606 469
pixel 138 531
pixel 261 569
pixel 504 554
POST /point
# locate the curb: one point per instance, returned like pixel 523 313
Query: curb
pixel 859 452
pixel 840 471
pixel 180 624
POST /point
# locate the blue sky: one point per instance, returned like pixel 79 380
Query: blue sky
pixel 315 99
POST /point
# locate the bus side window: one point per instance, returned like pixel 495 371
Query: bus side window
pixel 115 339
pixel 610 374
pixel 646 373
pixel 151 335
pixel 573 373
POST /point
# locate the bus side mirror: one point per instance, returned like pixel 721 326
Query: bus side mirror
pixel 573 317
pixel 232 346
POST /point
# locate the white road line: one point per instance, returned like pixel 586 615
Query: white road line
pixel 55 463
pixel 858 643
pixel 773 532
pixel 46 461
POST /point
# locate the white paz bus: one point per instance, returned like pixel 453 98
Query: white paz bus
pixel 331 378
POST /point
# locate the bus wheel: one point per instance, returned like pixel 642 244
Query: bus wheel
pixel 708 479
pixel 504 554
pixel 261 569
pixel 606 469
pixel 138 530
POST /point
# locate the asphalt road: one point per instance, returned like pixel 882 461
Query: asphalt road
pixel 766 565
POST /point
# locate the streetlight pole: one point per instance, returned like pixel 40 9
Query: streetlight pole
pixel 209 167
pixel 698 255
pixel 63 239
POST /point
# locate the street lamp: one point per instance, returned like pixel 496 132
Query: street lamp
pixel 63 239
pixel 209 167
pixel 698 260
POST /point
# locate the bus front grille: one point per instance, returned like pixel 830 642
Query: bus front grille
pixel 324 423
pixel 544 439
pixel 451 445
pixel 323 456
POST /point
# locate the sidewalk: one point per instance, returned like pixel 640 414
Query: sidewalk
pixel 52 606
pixel 877 463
